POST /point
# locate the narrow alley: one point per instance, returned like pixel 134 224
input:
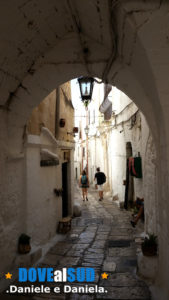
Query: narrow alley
pixel 101 238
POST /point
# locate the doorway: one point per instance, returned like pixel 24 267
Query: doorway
pixel 65 189
pixel 129 190
pixel 76 174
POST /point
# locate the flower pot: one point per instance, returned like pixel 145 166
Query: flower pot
pixel 24 248
pixel 150 250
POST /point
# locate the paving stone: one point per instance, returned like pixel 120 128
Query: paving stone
pixel 93 221
pixel 15 297
pixel 92 264
pixel 104 228
pixel 51 259
pixel 49 297
pixel 95 250
pixel 69 261
pixel 95 261
pixel 94 255
pixel 76 253
pixel 60 248
pixel 121 231
pixel 85 240
pixel 109 265
pixel 91 228
pixel 77 229
pixel 125 264
pixel 125 293
pixel 122 279
pixel 99 244
pixel 80 246
pixel 87 234
pixel 82 297
pixel 103 239
pixel 119 237
pixel 129 251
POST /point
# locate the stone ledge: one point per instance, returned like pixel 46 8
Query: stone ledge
pixel 29 259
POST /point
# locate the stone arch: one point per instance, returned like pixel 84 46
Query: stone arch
pixel 62 59
pixel 150 167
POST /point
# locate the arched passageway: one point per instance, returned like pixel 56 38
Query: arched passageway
pixel 123 43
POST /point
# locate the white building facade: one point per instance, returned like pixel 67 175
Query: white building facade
pixel 108 144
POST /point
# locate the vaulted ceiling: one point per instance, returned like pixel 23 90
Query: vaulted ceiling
pixel 46 43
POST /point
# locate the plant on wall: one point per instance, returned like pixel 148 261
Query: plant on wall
pixel 149 245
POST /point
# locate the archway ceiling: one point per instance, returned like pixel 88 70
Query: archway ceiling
pixel 30 29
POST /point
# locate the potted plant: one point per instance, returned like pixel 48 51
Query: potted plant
pixel 149 245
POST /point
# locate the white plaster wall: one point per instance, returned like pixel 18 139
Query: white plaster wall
pixel 12 199
pixel 44 209
pixel 117 159
pixel 142 142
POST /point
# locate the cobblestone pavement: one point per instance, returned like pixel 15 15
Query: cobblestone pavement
pixel 101 238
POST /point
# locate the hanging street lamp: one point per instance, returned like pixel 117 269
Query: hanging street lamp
pixel 86 129
pixel 86 89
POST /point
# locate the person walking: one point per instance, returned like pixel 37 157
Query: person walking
pixel 100 179
pixel 84 184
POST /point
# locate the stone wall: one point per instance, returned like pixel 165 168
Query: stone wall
pixel 43 115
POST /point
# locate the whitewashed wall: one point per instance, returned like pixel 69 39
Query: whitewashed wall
pixel 44 208
pixel 142 142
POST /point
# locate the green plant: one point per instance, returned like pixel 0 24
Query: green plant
pixel 149 245
pixel 135 210
pixel 150 240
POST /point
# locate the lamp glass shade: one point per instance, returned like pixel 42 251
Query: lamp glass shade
pixel 86 129
pixel 86 87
